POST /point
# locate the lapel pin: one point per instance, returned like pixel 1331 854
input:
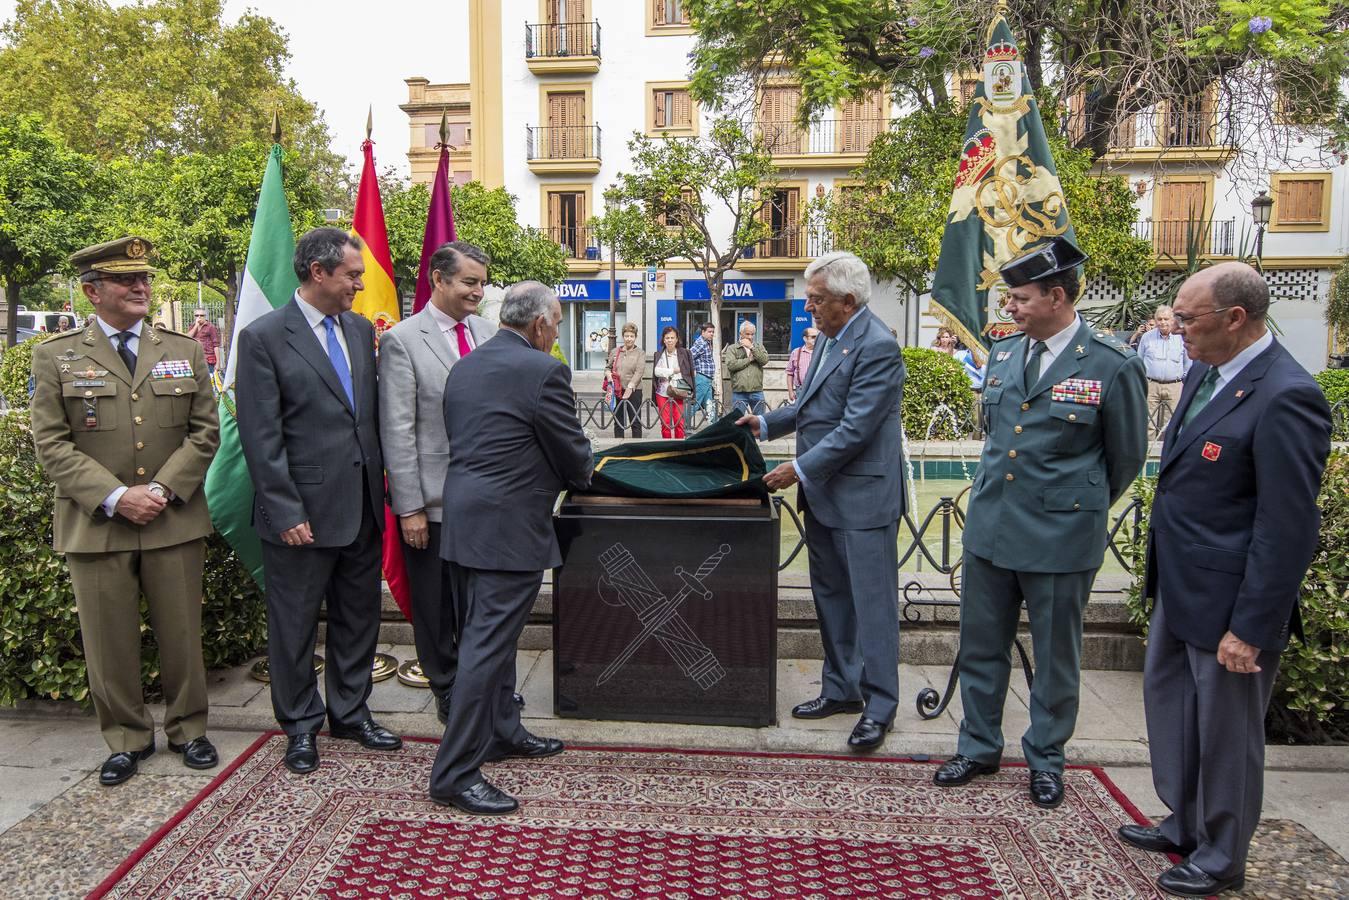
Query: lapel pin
pixel 1212 451
pixel 1081 349
pixel 845 351
pixel 1240 393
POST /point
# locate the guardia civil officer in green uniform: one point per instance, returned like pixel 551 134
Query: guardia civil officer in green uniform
pixel 1066 413
pixel 125 426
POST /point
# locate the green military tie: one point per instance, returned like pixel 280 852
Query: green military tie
pixel 1037 350
pixel 1201 397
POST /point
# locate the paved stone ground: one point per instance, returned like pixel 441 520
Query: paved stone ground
pixel 60 835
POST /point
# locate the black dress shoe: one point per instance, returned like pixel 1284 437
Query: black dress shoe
pixel 867 734
pixel 823 708
pixel 371 734
pixel 961 770
pixel 198 753
pixel 518 700
pixel 535 747
pixel 302 753
pixel 121 766
pixel 1150 839
pixel 1046 789
pixel 480 800
pixel 1188 880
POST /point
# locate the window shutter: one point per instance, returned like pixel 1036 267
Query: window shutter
pixel 683 109
pixel 554 215
pixel 1300 201
pixel 658 12
pixel 658 108
pixel 793 235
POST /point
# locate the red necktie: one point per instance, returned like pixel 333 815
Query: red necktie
pixel 464 348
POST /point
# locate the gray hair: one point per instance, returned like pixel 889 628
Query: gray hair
pixel 325 246
pixel 843 273
pixel 747 325
pixel 1161 309
pixel 446 259
pixel 525 302
pixel 1238 284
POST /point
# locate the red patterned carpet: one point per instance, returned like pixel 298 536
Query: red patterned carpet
pixel 636 823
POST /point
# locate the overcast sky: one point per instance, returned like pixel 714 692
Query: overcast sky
pixel 355 54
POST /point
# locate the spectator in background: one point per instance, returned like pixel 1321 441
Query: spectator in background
pixel 1166 364
pixel 63 323
pixel 704 373
pixel 1141 330
pixel 947 342
pixel 206 335
pixel 672 361
pixel 798 364
pixel 745 361
pixel 625 375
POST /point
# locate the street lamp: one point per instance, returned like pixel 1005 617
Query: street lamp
pixel 1261 207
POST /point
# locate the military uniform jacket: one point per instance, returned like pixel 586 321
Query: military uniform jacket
pixel 1057 455
pixel 97 428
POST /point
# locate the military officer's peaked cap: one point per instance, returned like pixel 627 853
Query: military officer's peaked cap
pixel 1058 254
pixel 126 254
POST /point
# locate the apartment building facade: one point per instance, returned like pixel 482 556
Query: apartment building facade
pixel 558 87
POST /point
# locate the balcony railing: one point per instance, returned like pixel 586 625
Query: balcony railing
pixel 786 243
pixel 576 240
pixel 562 142
pixel 1149 130
pixel 823 137
pixel 1170 237
pixel 553 40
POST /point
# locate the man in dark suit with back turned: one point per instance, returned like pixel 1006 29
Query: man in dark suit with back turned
pixel 1233 528
pixel 309 425
pixel 511 458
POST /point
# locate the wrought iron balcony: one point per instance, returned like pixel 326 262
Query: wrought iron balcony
pixel 576 240
pixel 563 47
pixel 823 137
pixel 1171 237
pixel 563 148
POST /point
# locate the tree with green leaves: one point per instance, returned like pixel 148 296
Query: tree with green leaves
pixel 895 217
pixel 171 76
pixel 702 199
pixel 1107 60
pixel 483 217
pixel 46 199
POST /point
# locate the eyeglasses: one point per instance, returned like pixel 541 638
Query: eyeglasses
pixel 1180 321
pixel 128 279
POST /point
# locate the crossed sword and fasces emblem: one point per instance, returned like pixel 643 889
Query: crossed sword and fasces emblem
pixel 625 583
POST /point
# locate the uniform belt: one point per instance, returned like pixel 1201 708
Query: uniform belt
pixel 1172 381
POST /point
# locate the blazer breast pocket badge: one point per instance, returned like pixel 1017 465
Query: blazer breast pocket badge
pixel 172 368
pixel 1211 451
pixel 1086 391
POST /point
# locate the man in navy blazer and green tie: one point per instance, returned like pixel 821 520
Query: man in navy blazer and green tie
pixel 1233 527
pixel 1065 408
pixel 850 467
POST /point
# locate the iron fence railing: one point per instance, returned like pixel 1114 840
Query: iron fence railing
pixel 822 137
pixel 1171 237
pixel 562 142
pixel 562 39
pixel 578 241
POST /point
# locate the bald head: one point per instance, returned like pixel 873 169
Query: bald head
pixel 1235 284
pixel 1220 311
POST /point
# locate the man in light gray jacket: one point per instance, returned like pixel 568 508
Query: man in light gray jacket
pixel 850 468
pixel 415 357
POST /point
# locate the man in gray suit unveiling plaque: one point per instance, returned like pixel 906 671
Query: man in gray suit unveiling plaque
pixel 511 458
pixel 851 471
pixel 415 357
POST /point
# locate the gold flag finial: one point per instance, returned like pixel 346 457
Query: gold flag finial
pixel 445 127
pixel 369 121
pixel 276 125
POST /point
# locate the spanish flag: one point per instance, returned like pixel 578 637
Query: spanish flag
pixel 379 303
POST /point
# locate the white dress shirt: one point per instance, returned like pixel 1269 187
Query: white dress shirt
pixel 315 318
pixel 1232 368
pixel 1164 356
pixel 1054 346
pixel 447 325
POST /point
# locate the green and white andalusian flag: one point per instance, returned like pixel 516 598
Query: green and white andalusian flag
pixel 269 281
pixel 1007 196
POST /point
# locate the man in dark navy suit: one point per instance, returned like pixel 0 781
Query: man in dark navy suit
pixel 1234 526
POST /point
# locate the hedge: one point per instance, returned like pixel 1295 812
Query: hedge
pixel 1311 695
pixel 16 365
pixel 934 378
pixel 40 650
pixel 1335 384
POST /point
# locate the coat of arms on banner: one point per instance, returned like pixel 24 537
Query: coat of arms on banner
pixel 1002 73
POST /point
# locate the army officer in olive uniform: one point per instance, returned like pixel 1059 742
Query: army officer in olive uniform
pixel 1066 412
pixel 125 426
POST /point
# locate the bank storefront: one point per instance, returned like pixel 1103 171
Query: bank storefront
pixel 584 333
pixel 778 319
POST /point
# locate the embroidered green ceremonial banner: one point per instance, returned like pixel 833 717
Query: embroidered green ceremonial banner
pixel 719 461
pixel 1007 197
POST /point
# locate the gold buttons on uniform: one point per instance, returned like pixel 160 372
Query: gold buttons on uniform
pixel 1025 406
pixel 140 445
pixel 1011 454
pixel 1077 506
pixel 1011 477
pixel 177 390
pixel 1072 417
pixel 140 470
pixel 135 396
pixel 88 393
pixel 137 420
pixel 1017 429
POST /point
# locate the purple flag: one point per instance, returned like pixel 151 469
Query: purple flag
pixel 439 227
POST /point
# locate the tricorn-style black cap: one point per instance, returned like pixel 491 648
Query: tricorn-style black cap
pixel 1055 255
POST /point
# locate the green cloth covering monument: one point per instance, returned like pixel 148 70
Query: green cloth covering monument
pixel 721 460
